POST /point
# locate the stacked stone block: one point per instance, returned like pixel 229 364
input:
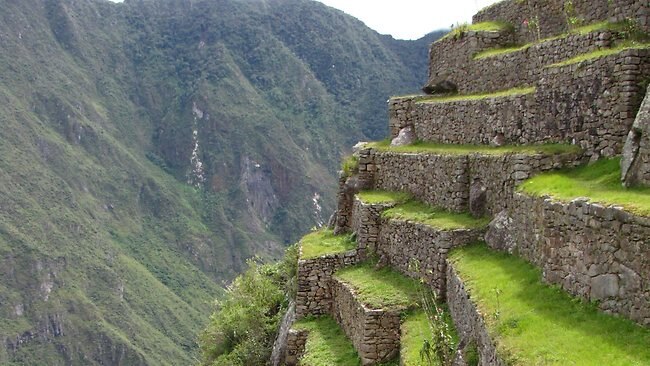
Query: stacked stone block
pixel 469 322
pixel 296 340
pixel 314 295
pixel 373 332
pixel 454 59
pixel 420 251
pixel 595 252
pixel 552 17
pixel 366 223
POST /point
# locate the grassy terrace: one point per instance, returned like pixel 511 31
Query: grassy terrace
pixel 434 217
pixel 602 53
pixel 326 344
pixel 454 149
pixel 479 96
pixel 380 288
pixel 459 30
pixel 377 197
pixel 323 242
pixel 600 182
pixel 594 27
pixel 415 329
pixel 539 324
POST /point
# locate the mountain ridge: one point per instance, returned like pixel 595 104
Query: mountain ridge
pixel 150 147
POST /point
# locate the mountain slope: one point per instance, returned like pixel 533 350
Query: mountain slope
pixel 148 148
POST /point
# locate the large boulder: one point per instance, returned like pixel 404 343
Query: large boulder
pixel 477 198
pixel 406 136
pixel 499 234
pixel 440 84
pixel 635 162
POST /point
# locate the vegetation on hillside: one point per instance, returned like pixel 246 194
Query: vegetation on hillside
pixel 148 148
pixel 243 328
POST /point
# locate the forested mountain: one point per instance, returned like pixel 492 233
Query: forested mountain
pixel 148 148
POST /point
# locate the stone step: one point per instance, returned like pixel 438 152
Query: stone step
pixel 459 178
pixel 501 307
pixel 321 254
pixel 319 341
pixel 411 237
pixel 369 304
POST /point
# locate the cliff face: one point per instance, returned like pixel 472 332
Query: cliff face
pixel 148 148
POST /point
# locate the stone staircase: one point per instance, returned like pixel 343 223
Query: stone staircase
pixel 553 281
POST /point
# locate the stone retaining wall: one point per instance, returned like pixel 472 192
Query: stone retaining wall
pixel 439 180
pixel 454 60
pixel 420 251
pixel 591 104
pixel 445 180
pixel 595 252
pixel 475 121
pixel 296 340
pixel 314 295
pixel 375 333
pixel 468 321
pixel 553 19
pixel 366 222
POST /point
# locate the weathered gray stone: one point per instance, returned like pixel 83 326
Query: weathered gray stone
pixel 604 286
pixel 499 234
pixel 440 84
pixel 477 198
pixel 406 136
pixel 635 162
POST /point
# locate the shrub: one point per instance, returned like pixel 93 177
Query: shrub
pixel 242 329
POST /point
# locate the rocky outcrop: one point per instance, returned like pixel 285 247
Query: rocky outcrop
pixel 635 162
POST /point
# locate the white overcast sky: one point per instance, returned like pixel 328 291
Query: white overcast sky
pixel 408 19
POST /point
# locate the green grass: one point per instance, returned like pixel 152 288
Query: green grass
pixel 435 217
pixel 600 182
pixel 601 53
pixel 457 149
pixel 380 288
pixel 540 324
pixel 350 165
pixel 326 344
pixel 491 52
pixel 460 29
pixel 478 96
pixel 378 197
pixel 415 330
pixel 323 242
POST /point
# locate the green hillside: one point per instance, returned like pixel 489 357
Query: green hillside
pixel 149 148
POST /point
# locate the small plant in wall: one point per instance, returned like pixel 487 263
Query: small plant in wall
pixel 497 312
pixel 532 25
pixel 440 349
pixel 572 19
